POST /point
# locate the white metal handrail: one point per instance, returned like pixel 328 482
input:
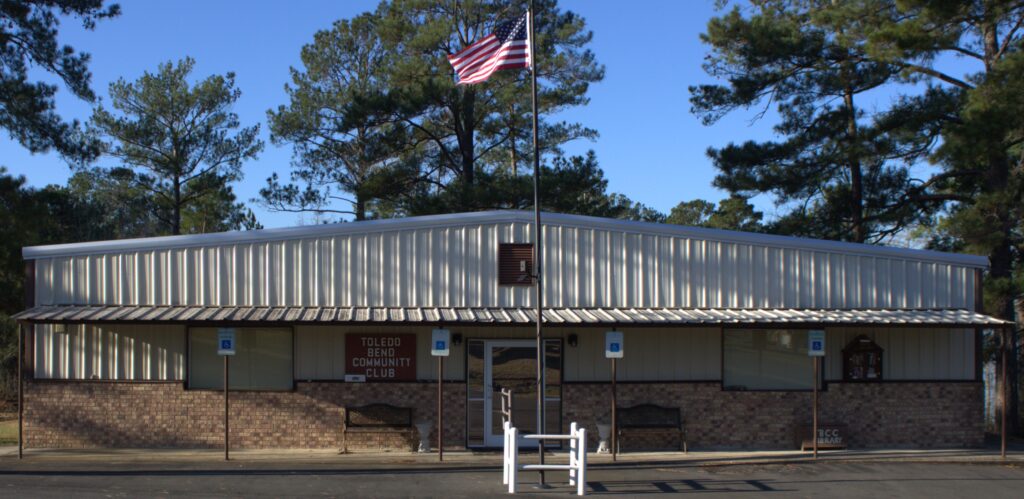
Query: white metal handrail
pixel 577 466
pixel 506 405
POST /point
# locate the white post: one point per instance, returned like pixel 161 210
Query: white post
pixel 504 459
pixel 581 480
pixel 573 446
pixel 514 460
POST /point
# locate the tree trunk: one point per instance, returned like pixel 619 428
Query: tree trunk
pixel 515 170
pixel 1004 292
pixel 856 181
pixel 360 207
pixel 512 138
pixel 997 178
pixel 467 147
pixel 464 134
pixel 176 216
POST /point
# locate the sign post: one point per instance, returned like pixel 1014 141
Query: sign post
pixel 440 347
pixel 226 348
pixel 613 349
pixel 816 350
pixel 1003 395
pixel 20 390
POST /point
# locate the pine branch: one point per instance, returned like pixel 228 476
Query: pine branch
pixel 1009 38
pixel 937 74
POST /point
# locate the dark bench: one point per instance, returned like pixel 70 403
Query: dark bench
pixel 379 427
pixel 651 423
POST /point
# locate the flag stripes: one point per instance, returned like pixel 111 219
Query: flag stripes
pixel 507 48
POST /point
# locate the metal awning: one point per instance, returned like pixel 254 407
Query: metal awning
pixel 506 316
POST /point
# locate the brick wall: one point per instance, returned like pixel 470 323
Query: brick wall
pixel 76 414
pixel 919 415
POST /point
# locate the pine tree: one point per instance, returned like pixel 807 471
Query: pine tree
pixel 980 154
pixel 376 118
pixel 345 146
pixel 178 143
pixel 28 43
pixel 841 171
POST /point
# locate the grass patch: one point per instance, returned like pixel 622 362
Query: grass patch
pixel 9 432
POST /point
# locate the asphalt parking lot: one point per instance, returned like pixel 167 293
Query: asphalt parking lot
pixel 888 479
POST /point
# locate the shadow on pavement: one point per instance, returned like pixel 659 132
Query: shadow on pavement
pixel 751 485
pixel 682 486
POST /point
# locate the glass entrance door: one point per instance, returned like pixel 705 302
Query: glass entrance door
pixel 497 364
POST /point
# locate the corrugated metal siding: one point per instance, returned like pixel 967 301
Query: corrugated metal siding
pixel 662 354
pixel 115 352
pixel 650 355
pixel 320 353
pixel 909 353
pixel 146 352
pixel 457 267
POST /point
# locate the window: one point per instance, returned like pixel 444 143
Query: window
pixel 515 264
pixel 262 360
pixel 766 359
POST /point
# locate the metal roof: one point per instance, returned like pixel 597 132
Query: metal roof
pixel 497 216
pixel 508 316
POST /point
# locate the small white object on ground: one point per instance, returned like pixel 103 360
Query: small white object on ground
pixel 604 431
pixel 424 429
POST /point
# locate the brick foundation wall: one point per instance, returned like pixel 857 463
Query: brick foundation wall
pixel 76 414
pixel 919 415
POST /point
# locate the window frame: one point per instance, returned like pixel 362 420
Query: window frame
pixel 187 381
pixel 506 250
pixel 822 384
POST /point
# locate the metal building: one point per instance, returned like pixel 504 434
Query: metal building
pixel 329 318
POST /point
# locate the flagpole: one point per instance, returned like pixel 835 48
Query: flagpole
pixel 538 238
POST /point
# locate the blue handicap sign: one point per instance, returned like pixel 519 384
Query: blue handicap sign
pixel 817 345
pixel 439 345
pixel 226 341
pixel 614 347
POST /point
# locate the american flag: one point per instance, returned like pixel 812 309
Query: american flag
pixel 507 48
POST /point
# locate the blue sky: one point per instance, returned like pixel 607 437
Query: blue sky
pixel 651 148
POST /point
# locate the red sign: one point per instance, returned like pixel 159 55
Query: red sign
pixel 381 356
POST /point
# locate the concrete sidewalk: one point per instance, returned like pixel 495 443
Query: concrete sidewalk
pixel 329 458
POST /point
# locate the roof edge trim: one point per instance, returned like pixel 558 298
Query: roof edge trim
pixel 723 317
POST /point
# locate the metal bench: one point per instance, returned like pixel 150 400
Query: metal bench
pixel 380 423
pixel 650 421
